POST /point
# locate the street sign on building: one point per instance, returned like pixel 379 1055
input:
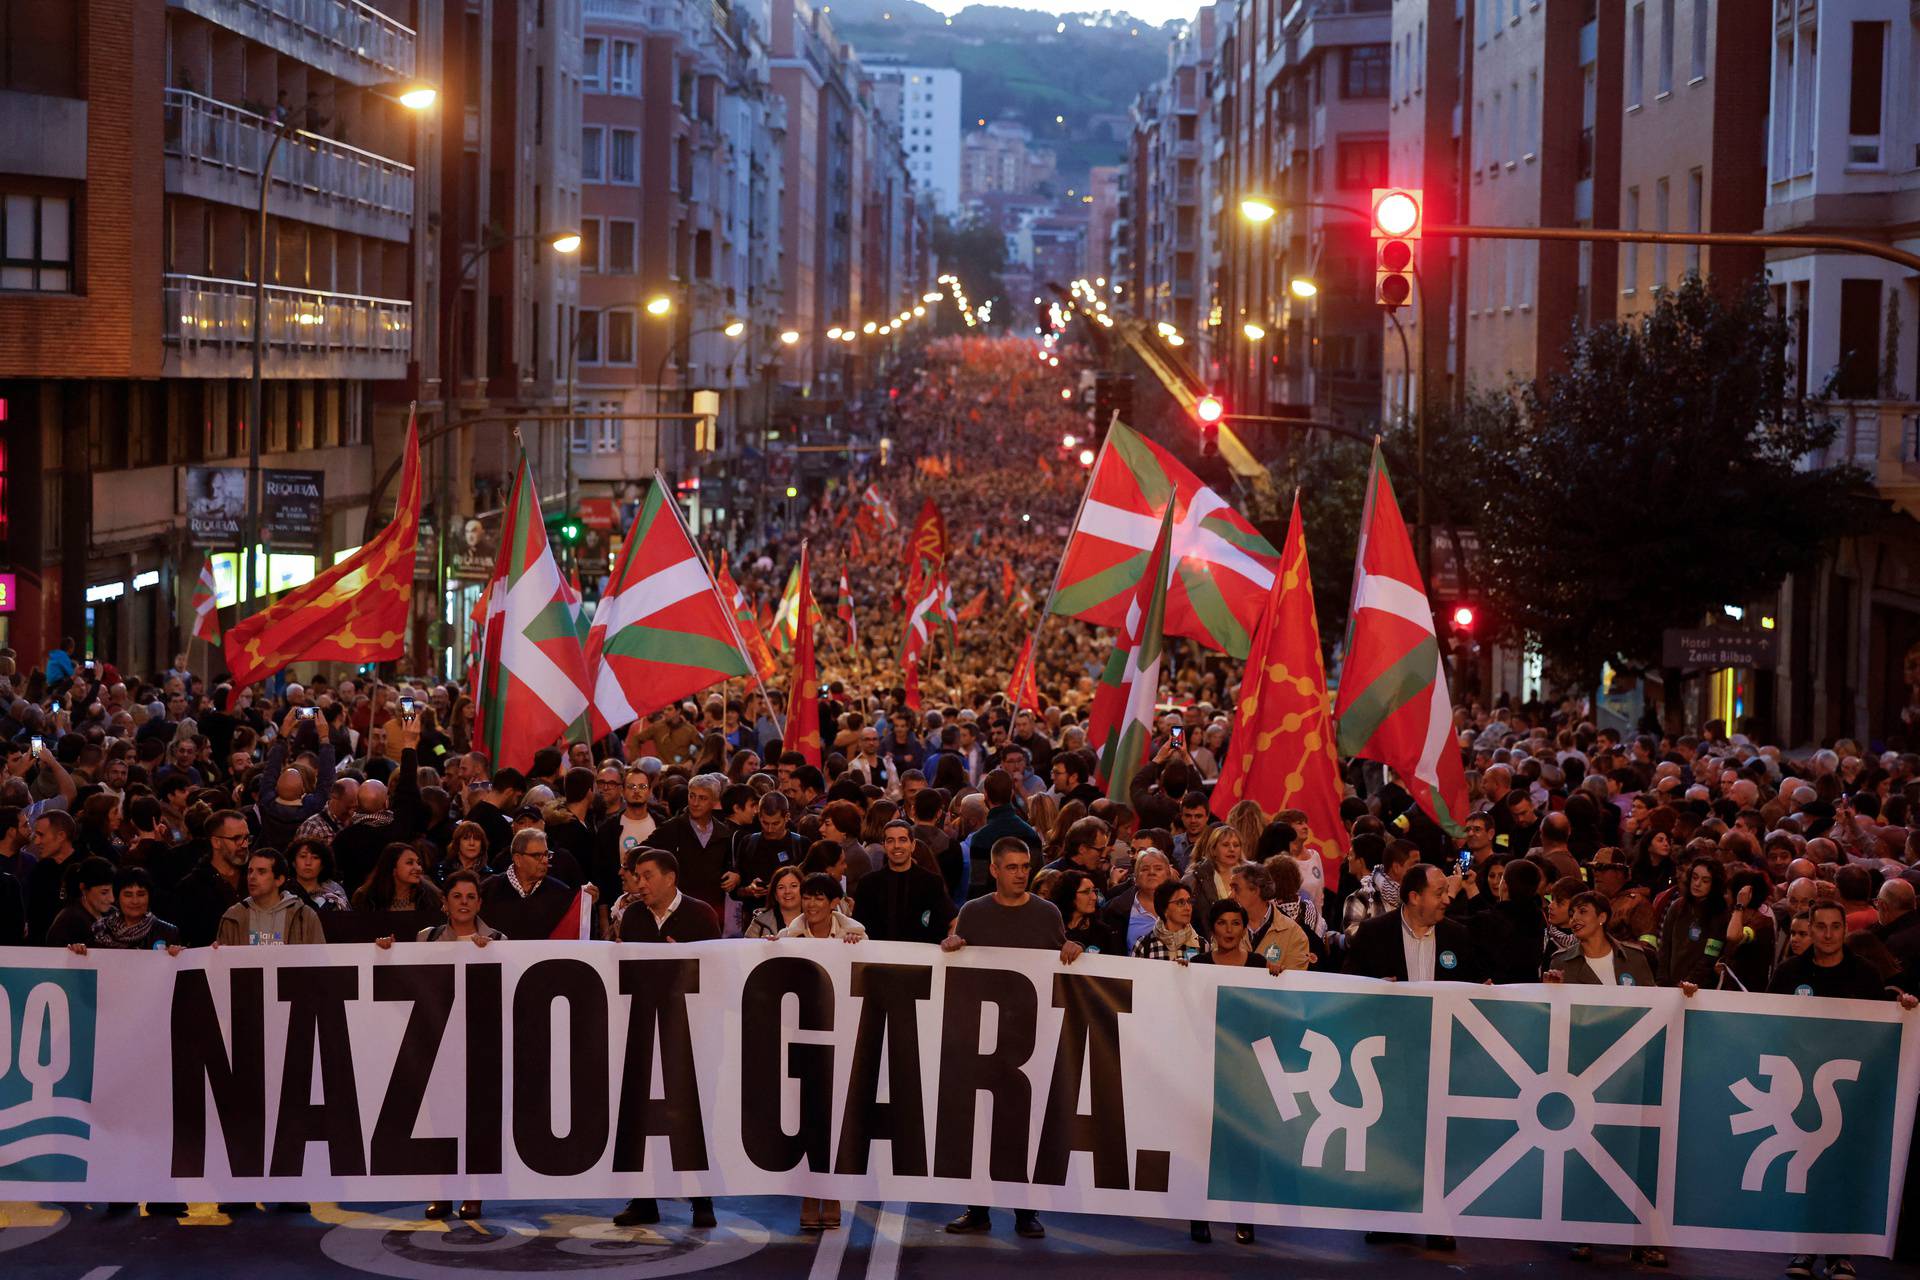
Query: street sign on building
pixel 1715 647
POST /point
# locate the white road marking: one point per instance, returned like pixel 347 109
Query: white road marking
pixel 883 1260
pixel 101 1273
pixel 833 1246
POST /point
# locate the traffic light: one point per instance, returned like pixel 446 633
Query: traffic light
pixel 1396 225
pixel 569 530
pixel 1209 411
pixel 706 426
pixel 1463 617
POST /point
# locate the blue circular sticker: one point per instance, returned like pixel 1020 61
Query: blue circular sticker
pixel 1448 960
pixel 1626 979
pixel 926 918
pixel 1803 990
pixel 1693 933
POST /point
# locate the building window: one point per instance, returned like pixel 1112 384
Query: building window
pixel 589 245
pixel 1696 199
pixel 621 257
pixel 1367 70
pixel 619 337
pixel 1630 252
pixel 1363 165
pixel 1666 46
pixel 623 68
pixel 1866 87
pixel 37 232
pixel 1636 55
pixel 593 142
pixel 588 338
pixel 1701 11
pixel 596 435
pixel 593 55
pixel 623 162
pixel 1858 377
pixel 1662 221
pixel 1533 114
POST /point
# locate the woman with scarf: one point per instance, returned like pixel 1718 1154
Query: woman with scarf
pixel 129 924
pixel 313 882
pixel 1172 936
pixel 783 903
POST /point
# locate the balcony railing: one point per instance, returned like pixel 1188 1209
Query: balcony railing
pixel 206 315
pixel 206 133
pixel 1882 438
pixel 354 39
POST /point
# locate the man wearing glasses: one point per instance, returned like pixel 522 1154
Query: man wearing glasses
pixel 525 901
pixel 216 882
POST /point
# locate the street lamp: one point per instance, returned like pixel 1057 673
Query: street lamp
pixel 659 304
pixel 1257 209
pixel 1253 331
pixel 415 97
pixel 1302 288
pixel 833 334
pixel 789 336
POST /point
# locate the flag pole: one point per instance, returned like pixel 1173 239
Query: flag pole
pixel 1060 567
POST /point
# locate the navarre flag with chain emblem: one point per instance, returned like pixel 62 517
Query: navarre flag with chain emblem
pixel 1282 753
pixel 1129 741
pixel 533 672
pixel 1023 691
pixel 1224 568
pixel 662 630
pixel 1393 705
pixel 926 549
pixel 355 611
pixel 803 702
pixel 748 624
pixel 206 604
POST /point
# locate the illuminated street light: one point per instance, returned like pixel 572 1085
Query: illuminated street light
pixel 1086 457
pixel 659 304
pixel 734 327
pixel 1301 287
pixel 1068 441
pixel 565 242
pixel 833 334
pixel 789 336
pixel 1257 209
pixel 1253 331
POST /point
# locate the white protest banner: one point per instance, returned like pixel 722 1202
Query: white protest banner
pixel 896 1072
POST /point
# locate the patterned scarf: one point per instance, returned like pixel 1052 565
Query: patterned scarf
pixel 115 930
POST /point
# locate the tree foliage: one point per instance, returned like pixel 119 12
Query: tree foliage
pixel 1657 478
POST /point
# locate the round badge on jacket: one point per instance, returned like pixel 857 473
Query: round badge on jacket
pixel 1448 960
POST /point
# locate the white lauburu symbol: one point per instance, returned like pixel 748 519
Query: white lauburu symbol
pixel 1331 1116
pixel 44 1057
pixel 1773 1109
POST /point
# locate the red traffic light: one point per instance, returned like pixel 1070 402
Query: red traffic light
pixel 1396 212
pixel 1463 617
pixel 1209 409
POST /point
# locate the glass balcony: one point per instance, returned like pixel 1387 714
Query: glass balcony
pixel 215 151
pixel 349 39
pixel 209 323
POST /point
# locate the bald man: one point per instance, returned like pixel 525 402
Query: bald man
pixel 1899 923
pixel 359 843
pixel 285 803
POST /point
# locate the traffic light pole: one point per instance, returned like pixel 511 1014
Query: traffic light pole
pixel 1762 239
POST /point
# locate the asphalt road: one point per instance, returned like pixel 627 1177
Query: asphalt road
pixel 756 1237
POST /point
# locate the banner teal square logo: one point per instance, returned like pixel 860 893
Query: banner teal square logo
pixel 1319 1099
pixel 1552 1112
pixel 1786 1122
pixel 46 1073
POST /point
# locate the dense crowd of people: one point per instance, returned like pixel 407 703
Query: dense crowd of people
pixel 158 813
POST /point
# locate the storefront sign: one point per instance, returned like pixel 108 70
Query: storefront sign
pixel 8 586
pixel 294 508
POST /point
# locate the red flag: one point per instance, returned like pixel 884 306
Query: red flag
pixel 973 609
pixel 577 924
pixel 356 611
pixel 1022 691
pixel 926 548
pixel 1282 754
pixel 803 713
pixel 1008 583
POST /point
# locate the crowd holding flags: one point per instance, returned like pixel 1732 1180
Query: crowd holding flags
pixel 1152 554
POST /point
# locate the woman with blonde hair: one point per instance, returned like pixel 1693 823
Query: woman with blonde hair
pixel 1247 819
pixel 1218 851
pixel 1043 812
